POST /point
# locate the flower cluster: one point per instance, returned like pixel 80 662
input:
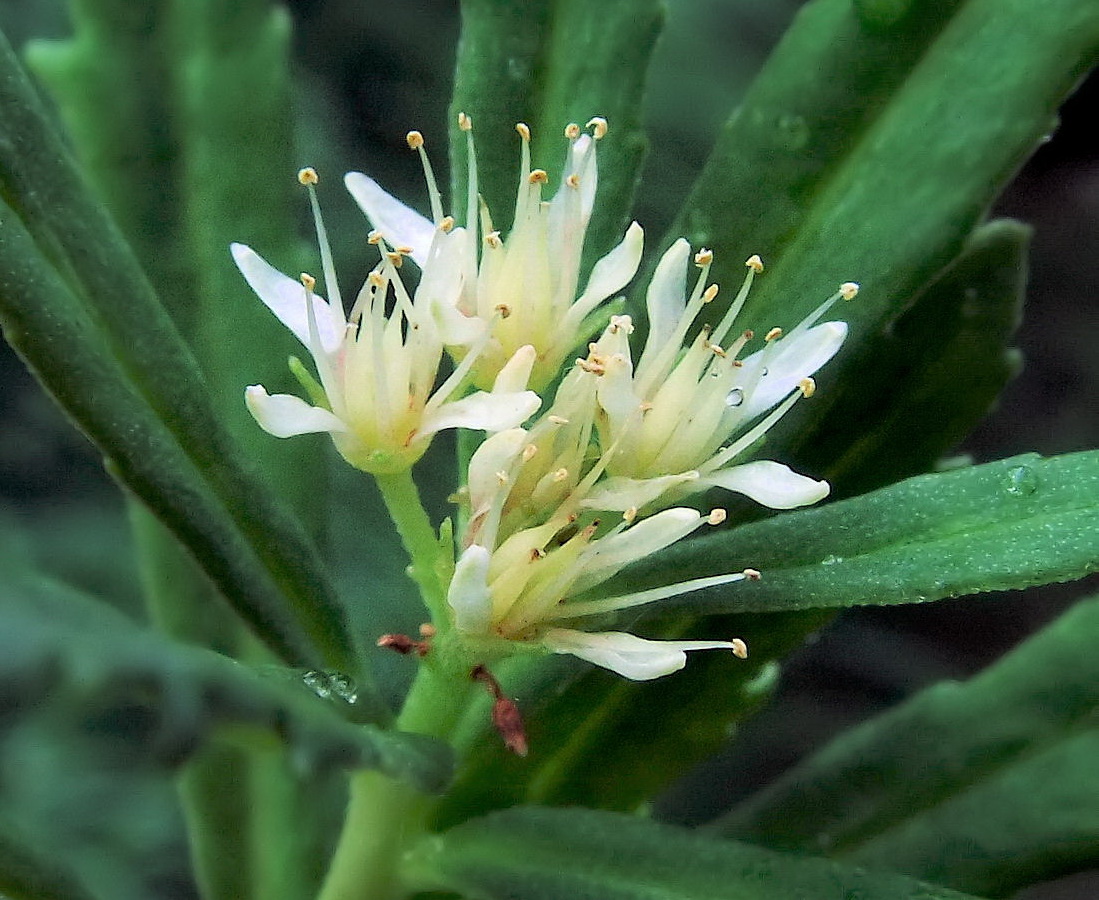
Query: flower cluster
pixel 558 503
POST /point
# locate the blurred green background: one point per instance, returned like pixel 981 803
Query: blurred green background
pixel 366 72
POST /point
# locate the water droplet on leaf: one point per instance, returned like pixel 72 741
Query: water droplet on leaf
pixel 1021 481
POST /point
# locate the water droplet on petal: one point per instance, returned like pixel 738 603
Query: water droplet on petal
pixel 1021 481
pixel 735 397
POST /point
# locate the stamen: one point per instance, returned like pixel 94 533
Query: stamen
pixel 717 516
pixel 754 263
pixel 630 514
pixel 524 131
pixel 598 126
pixel 308 177
pixel 538 176
pixel 808 387
pixel 572 131
pixel 582 608
pixel 573 181
pixel 848 290
pixel 374 238
pixel 710 293
pixel 529 452
pixel 773 335
pixel 465 123
pixel 704 257
pixel 740 649
pixel 416 142
pixel 752 574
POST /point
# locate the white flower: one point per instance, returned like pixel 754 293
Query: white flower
pixel 674 423
pixel 377 395
pixel 525 289
pixel 522 591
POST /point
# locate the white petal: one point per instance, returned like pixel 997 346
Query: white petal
pixel 284 415
pixel 666 298
pixel 399 224
pixel 468 593
pixel 483 411
pixel 496 454
pixel 515 374
pixel 769 483
pixel 285 297
pixel 621 493
pixel 795 358
pixel 615 551
pixel 612 273
pixel 635 658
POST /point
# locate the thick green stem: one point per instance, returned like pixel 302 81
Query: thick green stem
pixel 402 499
pixel 384 817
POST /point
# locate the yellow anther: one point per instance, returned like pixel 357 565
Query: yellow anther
pixel 538 176
pixel 752 574
pixel 558 420
pixel 503 309
pixel 529 452
pixel 572 131
pixel 395 258
pixel 376 279
pixel 428 630
pixel 446 225
pixel 754 263
pixel 717 516
pixel 308 281
pixel 738 363
pixel 465 123
pixel 709 294
pixel 592 366
pixel 308 175
pixel 502 477
pixel 561 474
pixel 375 237
pixel 621 322
pixel 748 335
pixel 740 649
pixel 808 387
pixel 848 290
pixel 645 406
pixel 716 350
pixel 773 335
pixel 573 181
pixel 704 257
pixel 630 514
pixel 493 240
pixel 598 126
pixel 523 129
pixel 403 249
pixel 415 140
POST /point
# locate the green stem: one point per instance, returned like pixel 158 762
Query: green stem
pixel 402 500
pixel 384 816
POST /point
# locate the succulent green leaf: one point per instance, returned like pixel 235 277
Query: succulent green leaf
pixel 869 148
pixel 1000 526
pixel 932 375
pixel 78 309
pixel 987 785
pixel 63 648
pixel 546 64
pixel 547 854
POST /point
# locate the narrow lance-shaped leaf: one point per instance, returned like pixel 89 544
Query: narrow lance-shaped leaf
pixel 65 648
pixel 934 373
pixel 547 854
pixel 1000 526
pixel 828 187
pixel 110 309
pixel 987 785
pixel 546 64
